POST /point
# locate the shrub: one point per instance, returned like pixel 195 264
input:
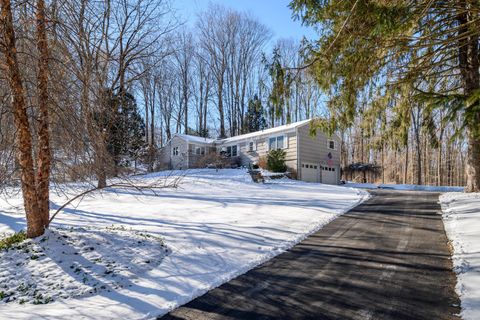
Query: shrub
pixel 276 160
pixel 262 162
pixel 8 242
pixel 211 160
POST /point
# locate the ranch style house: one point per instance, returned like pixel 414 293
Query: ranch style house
pixel 311 159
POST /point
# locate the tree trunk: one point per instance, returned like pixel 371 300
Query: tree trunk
pixel 469 69
pixel 44 156
pixel 220 109
pixel 473 159
pixel 419 158
pixel 405 173
pixel 35 225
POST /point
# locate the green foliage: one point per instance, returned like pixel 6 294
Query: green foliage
pixel 255 120
pixel 394 45
pixel 8 242
pixel 123 126
pixel 276 160
pixel 280 90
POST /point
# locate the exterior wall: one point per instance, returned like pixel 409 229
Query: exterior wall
pixel 300 147
pixel 315 149
pixel 164 157
pixel 261 149
pixel 168 160
pixel 198 160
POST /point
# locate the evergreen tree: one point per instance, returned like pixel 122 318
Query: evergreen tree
pixel 123 126
pixel 405 49
pixel 255 116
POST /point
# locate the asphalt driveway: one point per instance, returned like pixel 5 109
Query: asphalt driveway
pixel 386 259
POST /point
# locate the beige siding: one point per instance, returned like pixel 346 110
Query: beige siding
pixel 315 149
pixel 261 143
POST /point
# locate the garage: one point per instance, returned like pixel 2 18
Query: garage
pixel 329 175
pixel 310 172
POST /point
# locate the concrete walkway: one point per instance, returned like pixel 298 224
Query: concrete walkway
pixel 386 259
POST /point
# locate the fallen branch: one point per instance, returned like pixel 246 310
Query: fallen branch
pixel 127 184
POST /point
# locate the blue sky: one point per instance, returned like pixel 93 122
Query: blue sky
pixel 275 14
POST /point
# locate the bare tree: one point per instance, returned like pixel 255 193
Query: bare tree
pixel 34 186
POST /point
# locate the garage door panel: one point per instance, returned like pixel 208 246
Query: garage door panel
pixel 329 175
pixel 310 172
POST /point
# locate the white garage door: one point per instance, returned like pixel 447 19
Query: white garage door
pixel 310 172
pixel 329 175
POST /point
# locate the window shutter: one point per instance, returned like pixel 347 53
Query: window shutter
pixel 285 141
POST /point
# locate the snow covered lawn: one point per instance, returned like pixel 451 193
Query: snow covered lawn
pixel 461 216
pixel 122 254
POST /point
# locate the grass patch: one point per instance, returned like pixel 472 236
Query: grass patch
pixel 8 242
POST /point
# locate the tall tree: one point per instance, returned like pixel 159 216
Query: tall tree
pixel 255 120
pixel 34 187
pixel 365 44
pixel 44 155
pixel 214 41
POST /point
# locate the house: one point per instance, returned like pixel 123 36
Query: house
pixel 312 159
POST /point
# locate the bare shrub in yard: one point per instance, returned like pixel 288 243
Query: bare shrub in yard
pixel 262 162
pixel 213 160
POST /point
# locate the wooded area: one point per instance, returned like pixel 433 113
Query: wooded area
pixel 404 76
pixel 93 89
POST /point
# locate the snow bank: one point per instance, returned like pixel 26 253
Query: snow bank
pixel 461 216
pixel 407 187
pixel 217 224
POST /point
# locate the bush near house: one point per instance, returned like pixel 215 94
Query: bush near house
pixel 262 162
pixel 276 161
pixel 215 160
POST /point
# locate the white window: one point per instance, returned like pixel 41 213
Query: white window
pixel 251 146
pixel 331 144
pixel 175 151
pixel 272 143
pixel 232 151
pixel 200 150
pixel 275 143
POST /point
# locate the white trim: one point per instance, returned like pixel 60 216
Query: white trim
pixel 231 145
pixel 254 145
pixel 334 144
pixel 285 141
pixel 299 172
pixel 173 151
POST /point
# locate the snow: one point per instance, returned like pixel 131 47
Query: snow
pixel 285 127
pixel 196 139
pixel 215 226
pixel 461 216
pixel 405 187
pixel 75 262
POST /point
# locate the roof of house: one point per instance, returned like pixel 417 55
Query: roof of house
pixel 286 127
pixel 265 132
pixel 195 138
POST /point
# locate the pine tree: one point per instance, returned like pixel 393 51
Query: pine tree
pixel 390 44
pixel 124 128
pixel 255 116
